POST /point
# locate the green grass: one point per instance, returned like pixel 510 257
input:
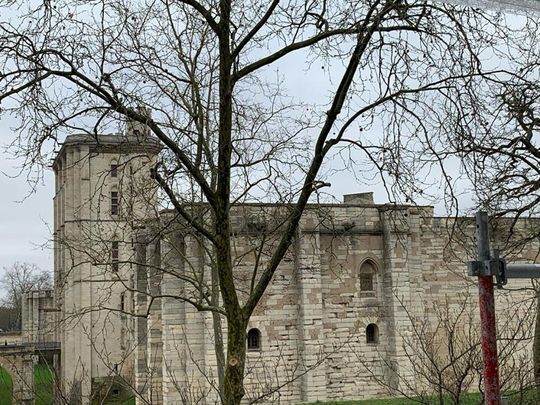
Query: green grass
pixel 468 399
pixel 44 383
pixel 43 386
pixel 5 387
pixel 529 397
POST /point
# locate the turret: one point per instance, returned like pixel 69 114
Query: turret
pixel 103 191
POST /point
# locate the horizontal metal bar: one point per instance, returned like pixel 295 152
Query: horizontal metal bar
pixel 523 271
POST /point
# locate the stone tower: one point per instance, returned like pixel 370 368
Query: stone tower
pixel 103 192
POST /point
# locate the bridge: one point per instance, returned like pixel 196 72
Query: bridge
pixel 18 360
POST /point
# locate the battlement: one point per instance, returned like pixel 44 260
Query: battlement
pixel 108 143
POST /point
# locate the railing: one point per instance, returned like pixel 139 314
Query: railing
pixel 37 346
pixel 41 346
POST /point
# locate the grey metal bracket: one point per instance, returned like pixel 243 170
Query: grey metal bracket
pixel 477 268
pixel 493 267
pixel 499 268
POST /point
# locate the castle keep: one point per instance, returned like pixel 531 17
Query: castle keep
pixel 341 319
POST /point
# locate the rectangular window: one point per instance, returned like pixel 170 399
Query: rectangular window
pixel 114 170
pixel 114 256
pixel 114 202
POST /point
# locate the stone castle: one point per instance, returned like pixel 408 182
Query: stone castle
pixel 360 299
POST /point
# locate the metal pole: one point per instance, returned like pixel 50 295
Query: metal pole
pixel 487 316
pixel 525 270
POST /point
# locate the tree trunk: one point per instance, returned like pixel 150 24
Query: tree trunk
pixel 218 335
pixel 236 359
pixel 536 344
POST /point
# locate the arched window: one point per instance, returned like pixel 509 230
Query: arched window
pixel 254 339
pixel 372 333
pixel 367 274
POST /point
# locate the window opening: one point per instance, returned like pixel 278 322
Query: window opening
pixel 114 170
pixel 254 339
pixel 114 256
pixel 114 202
pixel 372 333
pixel 367 272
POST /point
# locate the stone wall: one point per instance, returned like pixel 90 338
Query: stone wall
pixel 92 283
pixel 39 316
pixel 364 294
pixel 314 317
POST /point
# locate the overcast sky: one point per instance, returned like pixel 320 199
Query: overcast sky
pixel 26 216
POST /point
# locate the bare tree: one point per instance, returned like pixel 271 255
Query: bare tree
pixel 404 76
pixel 504 167
pixel 19 279
pixel 444 352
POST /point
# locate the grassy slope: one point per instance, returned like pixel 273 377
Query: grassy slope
pixel 43 379
pixel 469 399
pixel 530 397
pixel 43 383
pixel 5 387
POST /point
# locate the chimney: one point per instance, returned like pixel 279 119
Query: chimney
pixel 138 129
pixel 358 198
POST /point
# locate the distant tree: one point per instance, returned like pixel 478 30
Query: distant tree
pixel 20 278
pixel 8 318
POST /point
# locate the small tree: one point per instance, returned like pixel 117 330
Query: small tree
pixel 444 351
